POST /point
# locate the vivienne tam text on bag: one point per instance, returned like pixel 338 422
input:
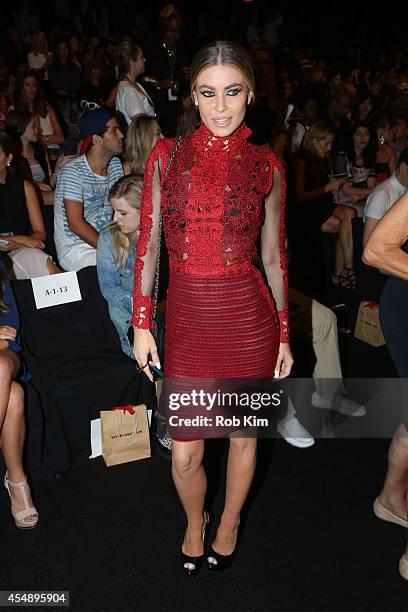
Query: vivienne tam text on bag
pixel 125 434
pixel 368 328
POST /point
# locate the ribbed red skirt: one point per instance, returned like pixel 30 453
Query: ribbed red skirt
pixel 220 326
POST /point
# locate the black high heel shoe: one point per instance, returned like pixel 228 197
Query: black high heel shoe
pixel 194 564
pixel 219 562
pixel 216 562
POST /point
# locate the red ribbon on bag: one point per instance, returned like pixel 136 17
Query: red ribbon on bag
pixel 128 409
pixel 371 305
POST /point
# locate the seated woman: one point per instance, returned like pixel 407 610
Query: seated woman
pixel 360 162
pixel 94 89
pixel 39 58
pixel 28 96
pixel 22 127
pixel 22 229
pixel 116 253
pixel 65 79
pixel 12 424
pixel 142 135
pixel 313 190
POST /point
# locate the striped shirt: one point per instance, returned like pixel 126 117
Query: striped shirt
pixel 77 182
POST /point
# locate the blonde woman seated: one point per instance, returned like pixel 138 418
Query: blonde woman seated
pixel 116 253
pixel 142 135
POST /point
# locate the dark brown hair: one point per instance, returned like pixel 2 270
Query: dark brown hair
pixel 16 122
pixel 20 103
pixel 222 52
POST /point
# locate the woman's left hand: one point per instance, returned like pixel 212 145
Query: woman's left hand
pixel 284 362
pixel 10 246
pixel 43 186
pixel 7 332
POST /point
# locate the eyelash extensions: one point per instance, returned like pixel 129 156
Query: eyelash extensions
pixel 231 92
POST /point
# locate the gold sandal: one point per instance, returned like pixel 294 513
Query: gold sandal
pixel 22 518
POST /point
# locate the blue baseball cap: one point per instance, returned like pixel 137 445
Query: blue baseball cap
pixel 94 121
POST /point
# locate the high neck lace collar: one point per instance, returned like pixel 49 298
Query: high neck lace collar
pixel 205 140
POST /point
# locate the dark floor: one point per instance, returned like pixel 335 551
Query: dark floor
pixel 310 542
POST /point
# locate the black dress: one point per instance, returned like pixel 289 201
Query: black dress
pixel 14 217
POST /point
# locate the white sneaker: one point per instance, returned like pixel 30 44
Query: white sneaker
pixel 339 403
pixel 294 433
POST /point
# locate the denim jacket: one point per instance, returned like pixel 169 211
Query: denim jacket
pixel 116 286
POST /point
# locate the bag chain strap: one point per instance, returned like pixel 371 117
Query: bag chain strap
pixel 157 273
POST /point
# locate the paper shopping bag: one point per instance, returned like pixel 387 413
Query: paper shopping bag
pixel 368 328
pixel 125 434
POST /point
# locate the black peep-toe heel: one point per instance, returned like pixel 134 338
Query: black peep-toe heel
pixel 217 562
pixel 192 565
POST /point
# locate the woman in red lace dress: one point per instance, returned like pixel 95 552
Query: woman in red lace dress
pixel 218 195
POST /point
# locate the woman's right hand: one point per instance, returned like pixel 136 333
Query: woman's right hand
pixel 7 332
pixel 27 241
pixel 43 186
pixel 143 345
pixel 334 185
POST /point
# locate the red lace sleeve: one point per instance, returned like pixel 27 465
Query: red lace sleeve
pixel 273 239
pixel 147 245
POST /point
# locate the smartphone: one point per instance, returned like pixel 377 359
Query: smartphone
pixel 158 371
pixel 289 112
pixel 3 241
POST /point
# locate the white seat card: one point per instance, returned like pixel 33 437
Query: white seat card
pixel 56 289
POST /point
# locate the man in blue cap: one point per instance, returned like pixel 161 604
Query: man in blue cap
pixel 82 206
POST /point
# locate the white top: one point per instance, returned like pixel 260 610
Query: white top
pixel 383 198
pixel 36 60
pixel 133 100
pixel 46 125
pixel 47 129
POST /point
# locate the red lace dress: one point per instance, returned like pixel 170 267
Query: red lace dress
pixel 218 196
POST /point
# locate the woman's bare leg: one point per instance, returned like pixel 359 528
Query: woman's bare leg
pixel 9 367
pixel 339 263
pixel 12 426
pixel 340 223
pixel 240 473
pixel 191 483
pixel 13 434
pixel 395 489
